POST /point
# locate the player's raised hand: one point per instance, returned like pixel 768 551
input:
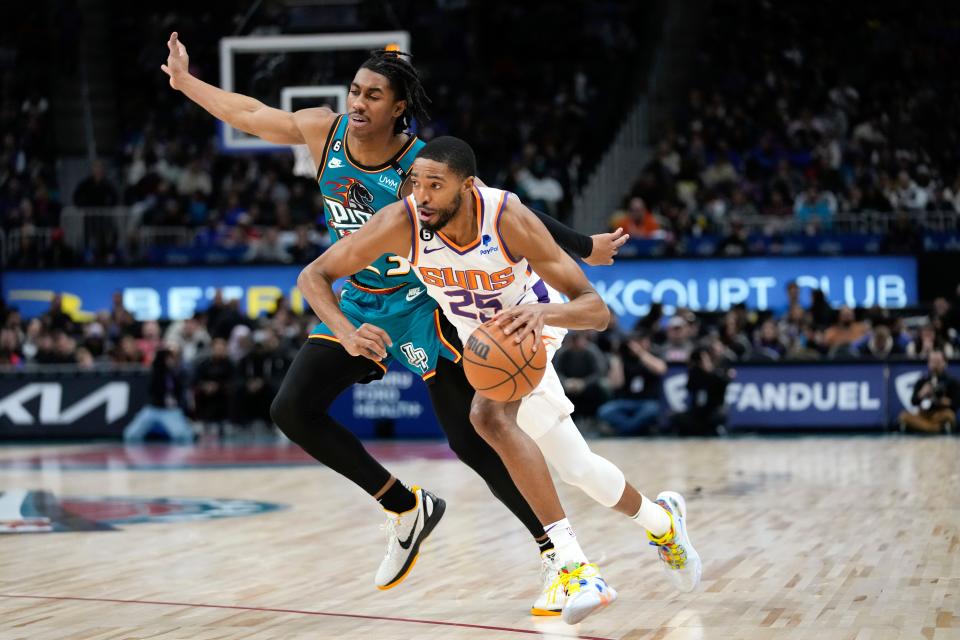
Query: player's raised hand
pixel 520 320
pixel 605 247
pixel 368 341
pixel 178 62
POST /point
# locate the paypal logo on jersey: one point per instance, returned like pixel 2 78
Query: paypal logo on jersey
pixel 488 246
pixel 390 183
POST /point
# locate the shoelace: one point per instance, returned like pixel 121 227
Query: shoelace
pixel 390 531
pixel 675 555
pixel 569 581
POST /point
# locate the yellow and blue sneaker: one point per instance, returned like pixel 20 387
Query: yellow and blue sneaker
pixel 584 591
pixel 680 560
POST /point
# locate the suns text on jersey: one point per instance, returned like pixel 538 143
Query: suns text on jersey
pixel 469 279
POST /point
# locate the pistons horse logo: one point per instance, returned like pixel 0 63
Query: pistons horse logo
pixel 349 205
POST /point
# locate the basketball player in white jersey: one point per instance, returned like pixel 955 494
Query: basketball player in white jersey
pixel 474 248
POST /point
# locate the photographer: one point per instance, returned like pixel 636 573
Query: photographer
pixel 936 394
pixel 706 413
pixel 636 405
pixel 166 402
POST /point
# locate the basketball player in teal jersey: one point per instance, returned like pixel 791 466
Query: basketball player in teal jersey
pixel 363 157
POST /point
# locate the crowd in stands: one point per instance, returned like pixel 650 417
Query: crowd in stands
pixel 614 377
pixel 796 115
pixel 533 124
pixel 233 364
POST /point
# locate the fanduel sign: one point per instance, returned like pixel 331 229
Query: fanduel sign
pixel 825 395
pixel 629 287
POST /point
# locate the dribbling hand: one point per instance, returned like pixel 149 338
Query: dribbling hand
pixel 368 341
pixel 522 320
pixel 178 62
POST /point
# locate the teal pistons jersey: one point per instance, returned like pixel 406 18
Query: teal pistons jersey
pixel 353 192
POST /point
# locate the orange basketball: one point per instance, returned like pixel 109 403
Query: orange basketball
pixel 498 367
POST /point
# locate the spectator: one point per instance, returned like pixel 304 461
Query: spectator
pixel 268 249
pixel 10 353
pixel 304 250
pixel 194 180
pixel 96 190
pixel 926 342
pixel 126 351
pixel 845 331
pixel 815 205
pixel 706 389
pixel 638 221
pixel 56 319
pixel 582 368
pixel 165 405
pixel 260 373
pixel 636 404
pixel 679 344
pixel 733 337
pixel 212 387
pixel 149 340
pixel 85 361
pixel 539 189
pixel 879 345
pixel 936 396
pixel 189 338
pixel 768 343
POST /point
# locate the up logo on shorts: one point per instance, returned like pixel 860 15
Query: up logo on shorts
pixel 416 356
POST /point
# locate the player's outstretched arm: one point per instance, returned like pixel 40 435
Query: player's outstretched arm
pixel 523 234
pixel 596 250
pixel 388 231
pixel 243 112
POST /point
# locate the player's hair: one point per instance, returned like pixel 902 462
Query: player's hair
pixel 453 152
pixel 404 79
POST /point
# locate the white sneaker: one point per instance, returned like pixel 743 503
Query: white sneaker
pixel 552 596
pixel 680 560
pixel 585 591
pixel 405 533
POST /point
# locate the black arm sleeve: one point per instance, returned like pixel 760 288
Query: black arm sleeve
pixel 570 239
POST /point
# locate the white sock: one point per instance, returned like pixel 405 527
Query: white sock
pixel 565 541
pixel 652 517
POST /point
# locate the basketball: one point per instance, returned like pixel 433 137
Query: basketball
pixel 498 367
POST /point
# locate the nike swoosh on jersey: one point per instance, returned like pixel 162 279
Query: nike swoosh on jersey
pixel 426 250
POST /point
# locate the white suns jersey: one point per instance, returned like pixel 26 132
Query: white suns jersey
pixel 472 283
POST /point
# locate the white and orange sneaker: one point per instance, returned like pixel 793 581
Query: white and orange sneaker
pixel 405 533
pixel 552 596
pixel 681 562
pixel 584 590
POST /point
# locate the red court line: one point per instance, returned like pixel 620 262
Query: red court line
pixel 298 611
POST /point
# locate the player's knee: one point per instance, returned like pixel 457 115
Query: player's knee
pixel 488 420
pixel 576 473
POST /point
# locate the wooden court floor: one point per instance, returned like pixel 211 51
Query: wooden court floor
pixel 817 537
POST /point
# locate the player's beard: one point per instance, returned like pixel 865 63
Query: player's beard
pixel 444 216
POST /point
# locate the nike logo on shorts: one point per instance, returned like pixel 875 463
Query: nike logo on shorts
pixel 413 293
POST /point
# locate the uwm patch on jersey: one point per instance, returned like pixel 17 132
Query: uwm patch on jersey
pixel 349 205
